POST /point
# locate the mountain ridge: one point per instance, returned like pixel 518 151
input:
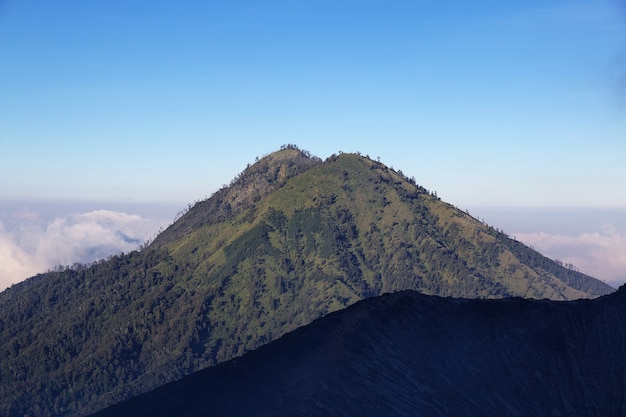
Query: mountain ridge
pixel 290 240
pixel 410 354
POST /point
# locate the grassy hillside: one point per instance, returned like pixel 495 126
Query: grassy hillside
pixel 290 240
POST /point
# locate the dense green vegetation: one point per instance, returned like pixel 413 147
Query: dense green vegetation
pixel 291 239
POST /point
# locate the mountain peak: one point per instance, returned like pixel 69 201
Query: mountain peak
pixel 254 183
pixel 291 239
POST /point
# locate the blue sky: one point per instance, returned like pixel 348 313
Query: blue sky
pixel 491 104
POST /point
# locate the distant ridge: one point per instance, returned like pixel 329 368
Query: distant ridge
pixel 291 239
pixel 407 354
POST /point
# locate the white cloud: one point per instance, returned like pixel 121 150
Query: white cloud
pixel 601 254
pixel 29 248
pixel 15 262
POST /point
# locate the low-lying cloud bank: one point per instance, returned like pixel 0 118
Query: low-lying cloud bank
pixel 28 247
pixel 601 254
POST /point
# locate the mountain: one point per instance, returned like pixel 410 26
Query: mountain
pixel 291 239
pixel 408 354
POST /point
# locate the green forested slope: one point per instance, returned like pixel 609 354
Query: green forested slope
pixel 290 240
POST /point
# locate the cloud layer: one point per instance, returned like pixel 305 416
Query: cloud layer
pixel 601 254
pixel 29 247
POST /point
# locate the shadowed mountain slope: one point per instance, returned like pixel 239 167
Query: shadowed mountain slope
pixel 290 240
pixel 409 354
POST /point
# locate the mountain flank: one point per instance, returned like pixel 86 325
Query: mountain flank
pixel 291 239
pixel 409 354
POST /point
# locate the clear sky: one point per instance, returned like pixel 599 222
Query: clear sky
pixel 490 103
pixel 487 102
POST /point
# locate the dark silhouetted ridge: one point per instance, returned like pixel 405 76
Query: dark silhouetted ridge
pixel 408 354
